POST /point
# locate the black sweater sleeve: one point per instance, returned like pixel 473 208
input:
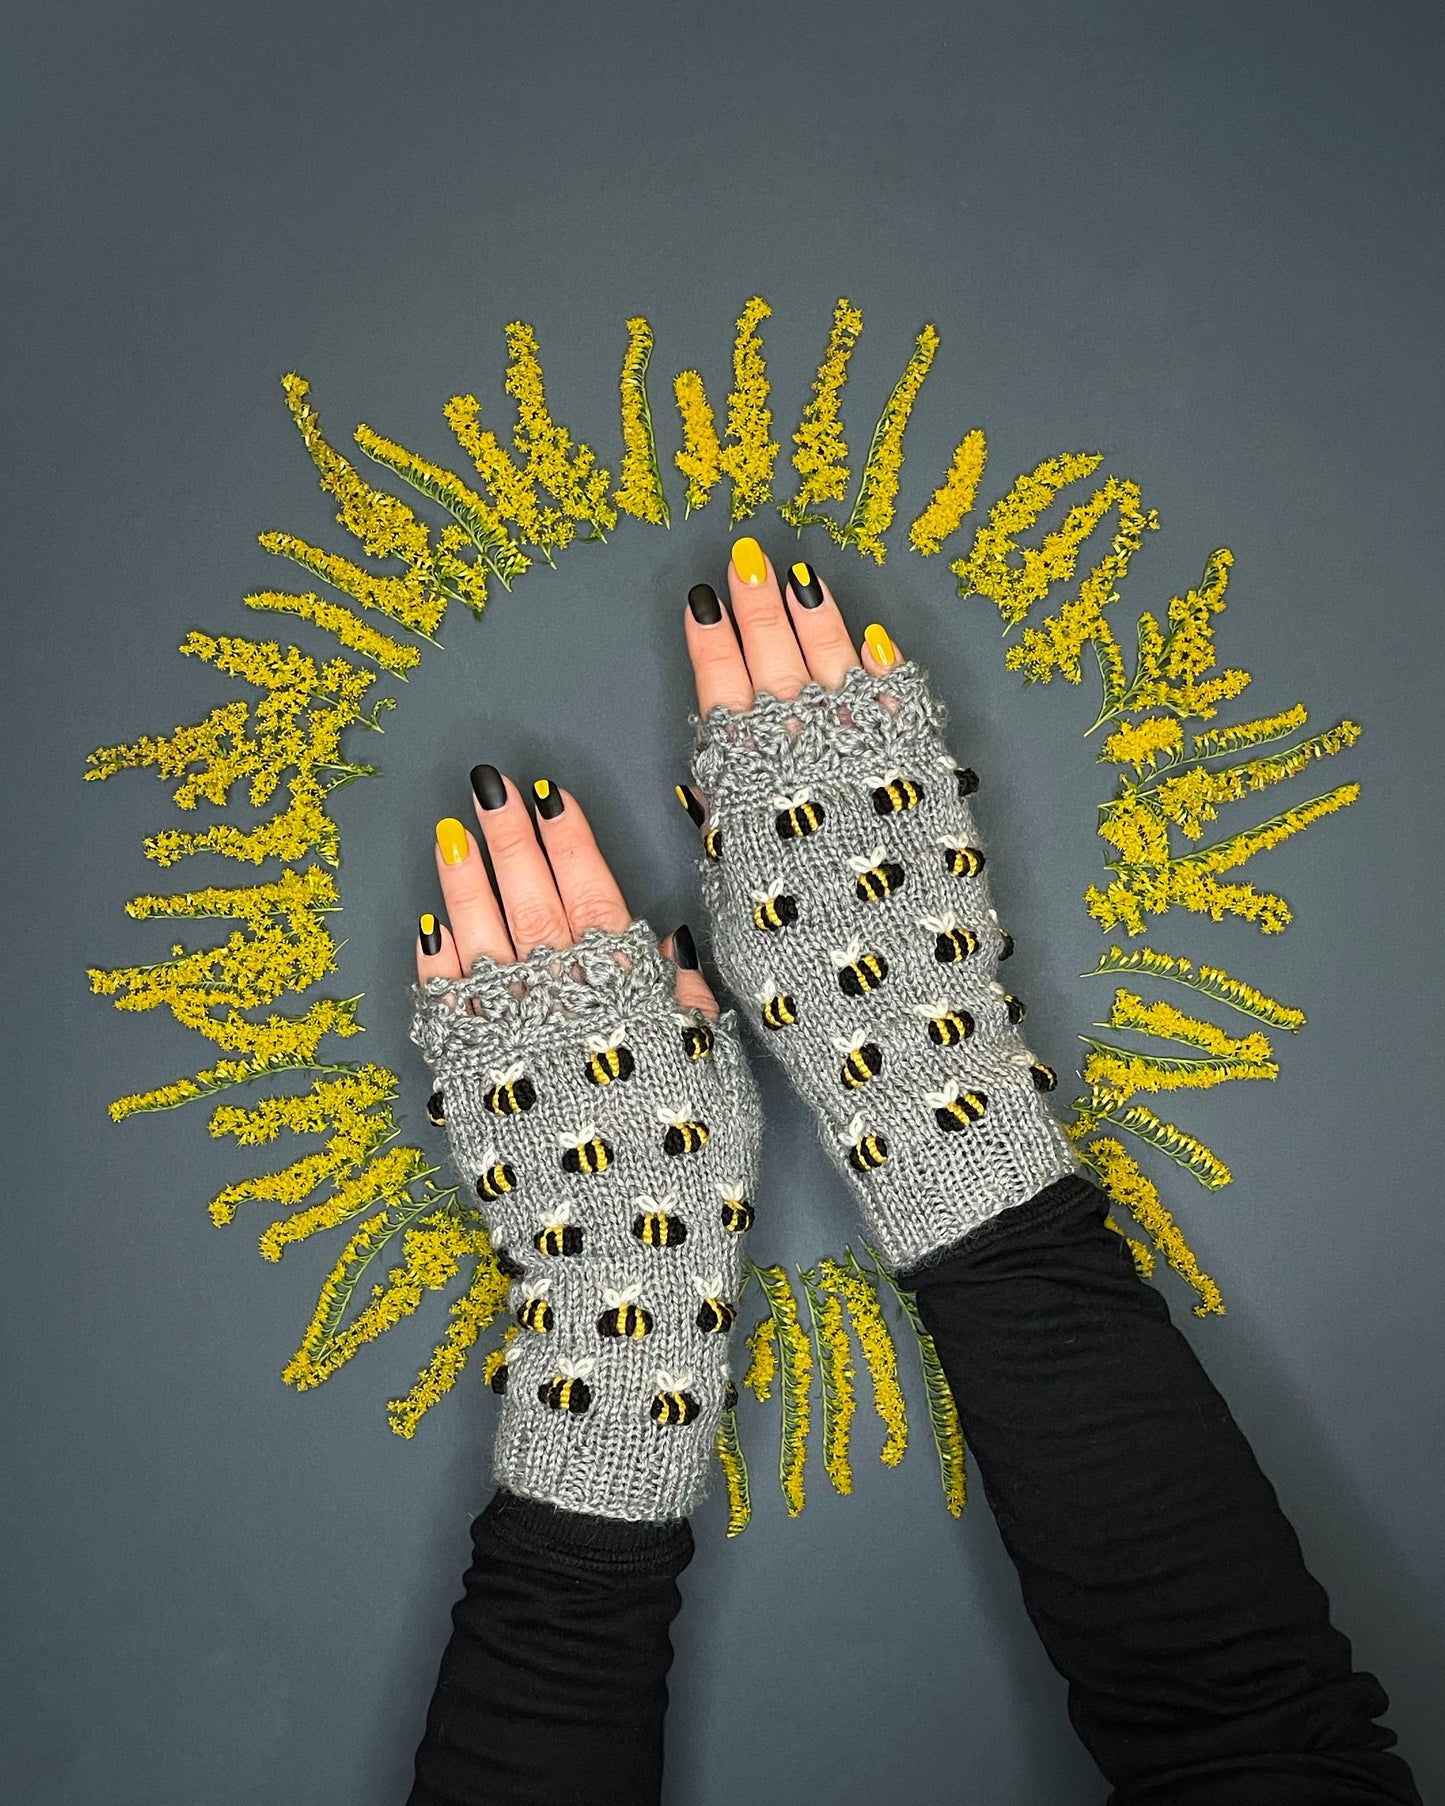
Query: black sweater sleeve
pixel 1165 1581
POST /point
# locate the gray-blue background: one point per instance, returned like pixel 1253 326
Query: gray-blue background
pixel 1203 240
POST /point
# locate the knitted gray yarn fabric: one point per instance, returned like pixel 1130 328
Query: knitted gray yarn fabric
pixel 849 896
pixel 610 1137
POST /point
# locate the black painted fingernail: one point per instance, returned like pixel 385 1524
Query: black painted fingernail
pixel 488 787
pixel 691 804
pixel 548 799
pixel 706 609
pixel 429 930
pixel 684 949
pixel 803 581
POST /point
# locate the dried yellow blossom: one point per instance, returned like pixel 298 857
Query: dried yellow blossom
pixel 479 1304
pixel 386 1176
pixel 795 1369
pixel 1134 826
pixel 1211 981
pixel 349 628
pixel 386 527
pixel 762 1359
pixel 640 492
pixel 954 497
pixel 987 570
pixel 414 601
pixel 852 1286
pixel 1143 744
pixel 1245 734
pixel 700 459
pixel 476 517
pixel 836 1373
pixel 1171 668
pixel 514 489
pixel 1141 1254
pixel 943 1418
pixel 735 1472
pixel 1119 1174
pixel 751 453
pixel 1193 798
pixel 878 487
pixel 820 456
pixel 1118 1073
pixel 570 475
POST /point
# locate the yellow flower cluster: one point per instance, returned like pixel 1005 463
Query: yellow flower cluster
pixel 795 1369
pixel 762 1367
pixel 1217 741
pixel 640 492
pixel 513 488
pixel 735 1472
pixel 497 1357
pixel 878 486
pixel 836 1373
pixel 1140 1252
pixel 383 523
pixel 353 633
pixel 954 497
pixel 1193 798
pixel 385 1177
pixel 850 1284
pixel 1120 1176
pixel 570 474
pixel 1144 743
pixel 412 601
pixel 480 523
pixel 820 456
pixel 751 453
pixel 943 1418
pixel 479 1304
pixel 1211 981
pixel 1130 1011
pixel 987 568
pixel 700 456
pixel 1171 669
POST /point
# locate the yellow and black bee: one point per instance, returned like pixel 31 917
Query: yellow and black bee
pixel 584 1151
pixel 774 910
pixel 862 1060
pixel 1006 944
pixel 1016 1010
pixel 798 816
pixel 608 1060
pixel 961 862
pixel 673 1403
pixel 951 943
pixel 498 1381
pixel 683 1135
pixel 510 1093
pixel 559 1234
pixel 568 1389
pixel 624 1316
pixel 865 1152
pixel 947 1024
pixel 737 1213
pixel 697 1038
pixel 965 778
pixel 715 1316
pixel 496 1178
pixel 656 1226
pixel 436 1110
pixel 712 843
pixel 779 1009
pixel 953 1108
pixel 896 794
pixel 535 1311
pixel 858 972
pixel 875 876
pixel 1044 1077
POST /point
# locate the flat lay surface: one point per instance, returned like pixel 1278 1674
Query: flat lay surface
pixel 1198 245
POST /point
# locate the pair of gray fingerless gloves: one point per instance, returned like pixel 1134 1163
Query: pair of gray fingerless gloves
pixel 611 1136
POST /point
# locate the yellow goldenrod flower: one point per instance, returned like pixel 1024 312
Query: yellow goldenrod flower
pixel 1144 743
pixel 572 477
pixel 988 568
pixel 479 1305
pixel 640 492
pixel 384 1177
pixel 1211 981
pixel 514 489
pixel 1244 734
pixel 700 459
pixel 749 457
pixel 878 487
pixel 795 1369
pixel 820 456
pixel 1119 1174
pixel 762 1367
pixel 1141 1254
pixel 836 1373
pixel 349 628
pixel 850 1284
pixel 413 601
pixel 1169 1024
pixel 478 520
pixel 954 497
pixel 735 1471
pixel 943 1418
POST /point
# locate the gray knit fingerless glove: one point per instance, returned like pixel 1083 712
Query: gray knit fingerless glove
pixel 850 907
pixel 611 1137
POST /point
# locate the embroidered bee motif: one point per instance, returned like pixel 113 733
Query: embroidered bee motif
pixel 778 1008
pixel 436 1110
pixel 1012 1005
pixel 715 1316
pixel 624 1316
pixel 498 1381
pixel 608 1060
pixel 712 843
pixel 496 1178
pixel 960 862
pixel 798 816
pixel 965 778
pixel 684 1136
pixel 737 1213
pixel 730 1396
pixel 584 1150
pixel 511 1269
pixel 697 1038
pixel 510 1093
pixel 1006 940
pixel 559 1235
pixel 568 1389
pixel 535 1311
pixel 858 972
pixel 862 1060
pixel 774 909
pixel 1044 1077
pixel 951 942
pixel 947 1025
pixel 673 1403
pixel 865 1152
pixel 954 1108
pixel 655 1226
pixel 896 794
pixel 875 875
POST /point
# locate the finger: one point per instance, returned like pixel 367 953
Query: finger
pixel 718 666
pixel 590 894
pixel 823 635
pixel 692 988
pixel 774 657
pixel 436 951
pixel 471 903
pixel 533 910
pixel 694 802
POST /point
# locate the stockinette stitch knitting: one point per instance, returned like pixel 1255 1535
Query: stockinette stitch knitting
pixel 848 890
pixel 610 1137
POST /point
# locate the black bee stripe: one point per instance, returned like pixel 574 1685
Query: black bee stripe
pixel 436 1110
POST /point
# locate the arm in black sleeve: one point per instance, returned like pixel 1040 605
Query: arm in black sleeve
pixel 553 1686
pixel 1164 1579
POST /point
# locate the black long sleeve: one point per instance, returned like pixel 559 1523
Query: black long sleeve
pixel 1164 1579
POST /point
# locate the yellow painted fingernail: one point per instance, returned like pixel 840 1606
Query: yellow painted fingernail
pixel 748 560
pixel 878 643
pixel 452 839
pixel 549 803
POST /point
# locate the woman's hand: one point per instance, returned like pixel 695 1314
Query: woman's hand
pixel 550 884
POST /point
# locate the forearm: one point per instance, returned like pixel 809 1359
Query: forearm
pixel 553 1687
pixel 1165 1581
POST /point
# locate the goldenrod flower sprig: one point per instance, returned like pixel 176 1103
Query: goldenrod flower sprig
pixel 834 1356
pixel 872 512
pixel 795 1374
pixel 954 497
pixel 735 1472
pixel 850 1284
pixel 820 454
pixel 1122 1178
pixel 942 1410
pixel 1210 981
pixel 640 492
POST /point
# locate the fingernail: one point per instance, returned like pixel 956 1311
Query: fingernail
pixel 748 560
pixel 684 949
pixel 488 787
pixel 452 839
pixel 431 934
pixel 878 643
pixel 549 799
pixel 706 609
pixel 691 804
pixel 803 580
